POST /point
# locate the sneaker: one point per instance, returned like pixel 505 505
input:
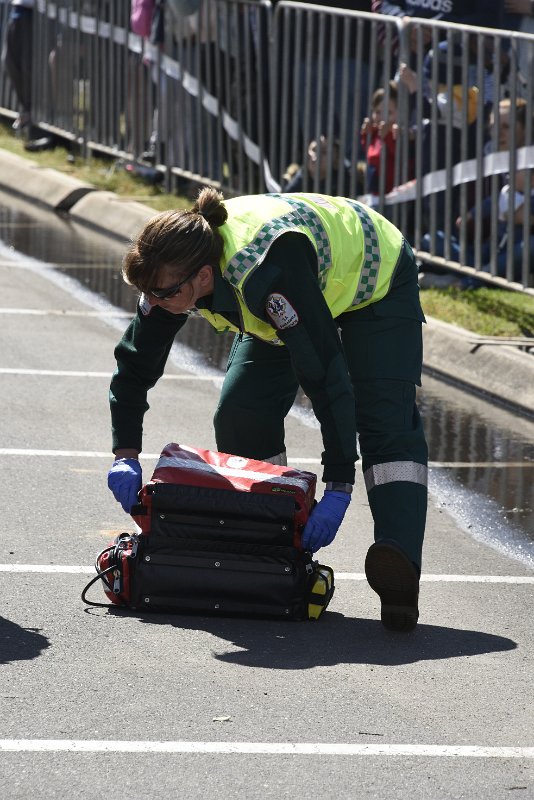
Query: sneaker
pixel 22 121
pixel 39 145
pixel 392 575
pixel 148 156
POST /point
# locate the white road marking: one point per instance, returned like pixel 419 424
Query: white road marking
pixel 429 578
pixel 264 748
pixel 72 373
pixel 14 451
pixel 46 568
pixel 18 451
pixel 16 264
pixel 471 464
pixel 59 312
pixel 341 576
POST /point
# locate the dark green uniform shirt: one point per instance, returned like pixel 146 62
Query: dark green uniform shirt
pixel 290 269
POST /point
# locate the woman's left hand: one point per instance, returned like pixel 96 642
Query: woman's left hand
pixel 325 519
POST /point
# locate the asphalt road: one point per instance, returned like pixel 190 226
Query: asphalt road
pixel 99 704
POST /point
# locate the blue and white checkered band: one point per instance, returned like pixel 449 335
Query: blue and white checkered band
pixel 250 256
pixel 371 256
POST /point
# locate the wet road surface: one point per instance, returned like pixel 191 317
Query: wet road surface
pixel 482 457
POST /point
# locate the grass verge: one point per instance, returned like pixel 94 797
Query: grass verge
pixel 485 311
pixel 488 312
pixel 105 173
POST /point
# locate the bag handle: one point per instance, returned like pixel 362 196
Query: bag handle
pixel 98 577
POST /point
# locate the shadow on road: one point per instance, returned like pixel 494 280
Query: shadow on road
pixel 335 639
pixel 19 644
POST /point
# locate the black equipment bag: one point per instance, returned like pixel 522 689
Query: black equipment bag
pixel 215 551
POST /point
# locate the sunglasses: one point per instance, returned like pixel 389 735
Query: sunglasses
pixel 171 291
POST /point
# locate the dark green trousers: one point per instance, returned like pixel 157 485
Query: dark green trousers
pixel 383 347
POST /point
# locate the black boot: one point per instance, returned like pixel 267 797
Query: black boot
pixel 395 578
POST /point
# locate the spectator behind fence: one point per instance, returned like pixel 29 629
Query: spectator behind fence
pixel 524 193
pixel 317 76
pixel 143 111
pixel 243 87
pixel 520 17
pixel 377 133
pixel 456 112
pixel 197 44
pixel 482 13
pixel 18 60
pixel 315 175
pixel 19 65
pixel 392 43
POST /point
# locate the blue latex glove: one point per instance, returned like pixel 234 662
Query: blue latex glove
pixel 325 519
pixel 124 480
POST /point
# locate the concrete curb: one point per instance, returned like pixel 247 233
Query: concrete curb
pixel 499 372
pixel 49 187
pixel 109 214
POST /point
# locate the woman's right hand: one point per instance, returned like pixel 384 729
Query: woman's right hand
pixel 125 479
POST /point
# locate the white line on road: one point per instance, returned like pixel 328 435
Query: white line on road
pixel 342 576
pixel 19 451
pixel 59 312
pixel 471 464
pixel 360 576
pixel 46 568
pixel 264 748
pixel 72 373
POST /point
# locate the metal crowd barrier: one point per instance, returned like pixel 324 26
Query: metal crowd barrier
pixel 7 100
pixel 253 98
pixel 471 118
pixel 215 93
pixel 326 65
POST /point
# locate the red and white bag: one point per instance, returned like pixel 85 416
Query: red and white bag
pixel 190 466
pixel 219 534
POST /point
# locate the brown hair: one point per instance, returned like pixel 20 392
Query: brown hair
pixel 520 109
pixel 379 95
pixel 182 239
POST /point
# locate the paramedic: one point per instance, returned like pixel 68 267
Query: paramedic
pixel 321 292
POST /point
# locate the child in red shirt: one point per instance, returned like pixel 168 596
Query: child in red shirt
pixel 377 133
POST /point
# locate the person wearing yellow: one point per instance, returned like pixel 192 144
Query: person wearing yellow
pixel 320 292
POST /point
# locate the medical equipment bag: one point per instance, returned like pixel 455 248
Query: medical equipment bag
pixel 219 534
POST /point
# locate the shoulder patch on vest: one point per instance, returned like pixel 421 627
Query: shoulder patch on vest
pixel 144 305
pixel 281 312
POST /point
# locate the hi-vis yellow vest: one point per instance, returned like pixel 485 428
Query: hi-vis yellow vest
pixel 357 250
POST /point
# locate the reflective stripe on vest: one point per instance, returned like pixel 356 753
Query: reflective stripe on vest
pixel 393 471
pixel 302 215
pixel 356 251
pixel 305 215
pixel 371 258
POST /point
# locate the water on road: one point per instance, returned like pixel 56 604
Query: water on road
pixel 482 457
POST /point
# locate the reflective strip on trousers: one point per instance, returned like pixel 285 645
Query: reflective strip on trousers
pixel 394 471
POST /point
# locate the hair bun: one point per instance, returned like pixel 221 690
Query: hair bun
pixel 209 205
